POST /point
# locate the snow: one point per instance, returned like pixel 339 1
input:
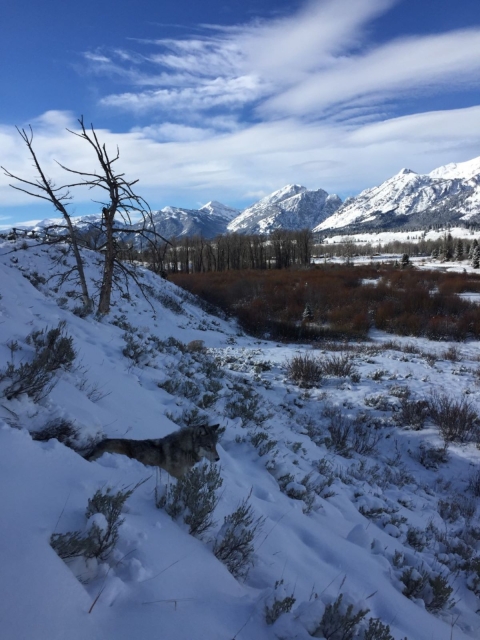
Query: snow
pixel 453 188
pixel 162 582
pixel 460 170
pixel 292 207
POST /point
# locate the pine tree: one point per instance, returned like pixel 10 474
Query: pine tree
pixel 476 258
pixel 458 253
pixel 473 246
pixel 307 315
pixel 405 261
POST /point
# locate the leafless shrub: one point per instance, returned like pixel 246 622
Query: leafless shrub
pixel 340 429
pixel 474 483
pixel 456 419
pixel 340 366
pixel 452 353
pixel 456 507
pixel 304 370
pixel 413 413
pixel 410 348
pixel 365 438
pixel 431 457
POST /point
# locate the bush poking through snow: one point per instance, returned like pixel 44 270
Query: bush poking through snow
pixel 102 534
pixel 434 589
pixel 53 351
pixel 338 365
pixel 347 435
pixel 246 406
pixel 456 419
pixel 339 621
pixel 440 594
pixel 194 497
pixel 413 413
pixel 134 349
pixel 431 457
pixel 456 507
pixel 304 370
pixel 279 602
pixel 474 483
pixel 61 429
pixel 234 542
pixel 414 582
pixel 473 582
pixel 376 630
pixel 109 505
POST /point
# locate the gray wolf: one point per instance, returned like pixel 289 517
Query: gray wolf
pixel 176 453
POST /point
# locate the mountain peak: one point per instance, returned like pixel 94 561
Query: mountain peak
pixel 215 208
pixel 458 170
pixel 285 192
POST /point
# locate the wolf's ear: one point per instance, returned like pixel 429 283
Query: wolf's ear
pixel 215 427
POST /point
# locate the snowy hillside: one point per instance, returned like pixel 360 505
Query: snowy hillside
pixel 292 207
pixel 348 480
pixel 208 221
pixel 447 194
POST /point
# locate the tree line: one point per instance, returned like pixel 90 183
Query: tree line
pixel 196 254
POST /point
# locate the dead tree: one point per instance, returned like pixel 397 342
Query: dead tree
pixel 121 202
pixel 45 189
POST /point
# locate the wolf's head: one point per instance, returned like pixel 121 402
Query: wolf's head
pixel 206 438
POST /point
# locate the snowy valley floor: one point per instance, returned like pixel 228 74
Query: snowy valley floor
pixel 357 493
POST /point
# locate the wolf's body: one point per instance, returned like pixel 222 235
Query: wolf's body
pixel 176 453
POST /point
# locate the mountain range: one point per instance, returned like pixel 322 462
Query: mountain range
pixel 448 194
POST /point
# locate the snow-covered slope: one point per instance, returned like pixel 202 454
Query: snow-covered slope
pixel 447 194
pixel 208 221
pixel 356 520
pixel 292 207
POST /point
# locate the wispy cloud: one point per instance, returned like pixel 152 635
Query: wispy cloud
pixel 237 66
pixel 315 64
pixel 182 165
pixel 420 64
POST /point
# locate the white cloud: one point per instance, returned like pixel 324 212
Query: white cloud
pixel 256 159
pixel 218 92
pixel 419 64
pixel 239 66
pixel 317 64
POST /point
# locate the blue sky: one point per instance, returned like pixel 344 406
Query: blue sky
pixel 232 100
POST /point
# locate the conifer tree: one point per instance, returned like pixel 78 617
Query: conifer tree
pixel 307 315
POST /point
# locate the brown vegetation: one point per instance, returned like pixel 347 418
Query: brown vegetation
pixel 402 301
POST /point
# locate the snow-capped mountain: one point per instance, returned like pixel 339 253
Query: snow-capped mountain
pixel 208 221
pixel 447 194
pixel 292 207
